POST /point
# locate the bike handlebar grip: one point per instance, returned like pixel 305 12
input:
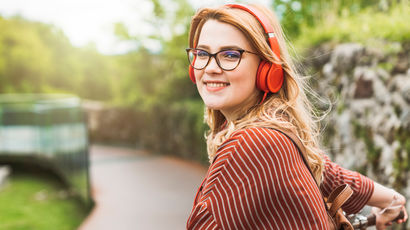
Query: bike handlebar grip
pixel 371 219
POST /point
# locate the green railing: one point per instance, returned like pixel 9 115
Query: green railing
pixel 49 131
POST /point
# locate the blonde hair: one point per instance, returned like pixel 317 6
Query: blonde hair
pixel 288 109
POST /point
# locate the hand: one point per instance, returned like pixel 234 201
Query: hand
pixel 385 217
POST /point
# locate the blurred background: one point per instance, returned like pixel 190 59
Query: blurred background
pixel 101 128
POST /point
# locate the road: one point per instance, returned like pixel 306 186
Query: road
pixel 135 190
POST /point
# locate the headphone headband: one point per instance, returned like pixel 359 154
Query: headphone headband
pixel 273 42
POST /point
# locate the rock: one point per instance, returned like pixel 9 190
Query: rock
pixel 402 64
pixel 364 89
pixel 405 90
pixel 386 156
pixel 375 55
pixel 328 70
pixel 345 56
pixel 359 107
pixel 398 101
pixel 382 74
pixel 321 55
pixel 405 119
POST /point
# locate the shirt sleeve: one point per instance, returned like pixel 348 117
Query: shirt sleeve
pixel 362 186
pixel 258 180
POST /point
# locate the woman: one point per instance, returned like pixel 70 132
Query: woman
pixel 257 178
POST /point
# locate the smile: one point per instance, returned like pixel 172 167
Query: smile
pixel 216 86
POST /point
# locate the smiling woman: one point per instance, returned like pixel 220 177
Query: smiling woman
pixel 267 168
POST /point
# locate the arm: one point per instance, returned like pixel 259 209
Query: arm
pixel 366 192
pixel 334 176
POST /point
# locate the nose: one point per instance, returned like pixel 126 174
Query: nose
pixel 213 66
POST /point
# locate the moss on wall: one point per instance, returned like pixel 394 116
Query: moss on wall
pixel 401 163
pixel 365 134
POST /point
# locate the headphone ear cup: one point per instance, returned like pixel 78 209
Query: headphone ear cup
pixel 274 79
pixel 191 74
pixel 261 76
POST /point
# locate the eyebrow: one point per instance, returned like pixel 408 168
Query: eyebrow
pixel 205 47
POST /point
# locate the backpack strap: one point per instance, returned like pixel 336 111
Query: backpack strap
pixel 338 197
pixel 299 146
pixel 302 152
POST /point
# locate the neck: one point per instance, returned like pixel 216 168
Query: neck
pixel 233 114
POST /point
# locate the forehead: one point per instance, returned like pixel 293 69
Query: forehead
pixel 216 34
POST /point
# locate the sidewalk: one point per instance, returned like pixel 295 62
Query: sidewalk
pixel 134 190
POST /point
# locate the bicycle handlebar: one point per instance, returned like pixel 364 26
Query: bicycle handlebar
pixel 370 220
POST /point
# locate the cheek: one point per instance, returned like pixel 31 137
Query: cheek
pixel 198 75
pixel 245 80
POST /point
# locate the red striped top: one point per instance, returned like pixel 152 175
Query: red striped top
pixel 258 181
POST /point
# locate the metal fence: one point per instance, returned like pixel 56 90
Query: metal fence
pixel 50 131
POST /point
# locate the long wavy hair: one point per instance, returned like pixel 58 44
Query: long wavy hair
pixel 288 109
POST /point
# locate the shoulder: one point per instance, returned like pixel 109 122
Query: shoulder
pixel 258 141
pixel 262 137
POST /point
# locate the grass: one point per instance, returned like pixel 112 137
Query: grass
pixel 30 202
pixel 368 26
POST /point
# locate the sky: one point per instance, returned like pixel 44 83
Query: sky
pixel 85 21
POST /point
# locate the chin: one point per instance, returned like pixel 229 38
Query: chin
pixel 213 105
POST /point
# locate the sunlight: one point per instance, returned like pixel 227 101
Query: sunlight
pixel 84 21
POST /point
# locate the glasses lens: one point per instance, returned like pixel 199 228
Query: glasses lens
pixel 198 58
pixel 229 59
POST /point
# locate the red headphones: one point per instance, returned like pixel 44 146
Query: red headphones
pixel 269 77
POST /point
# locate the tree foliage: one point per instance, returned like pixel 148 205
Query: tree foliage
pixel 296 14
pixel 38 58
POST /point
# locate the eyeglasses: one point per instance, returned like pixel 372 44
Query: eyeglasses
pixel 226 59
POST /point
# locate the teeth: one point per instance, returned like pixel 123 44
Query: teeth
pixel 216 84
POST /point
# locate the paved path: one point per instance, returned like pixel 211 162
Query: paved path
pixel 134 190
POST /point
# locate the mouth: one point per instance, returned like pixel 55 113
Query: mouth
pixel 215 85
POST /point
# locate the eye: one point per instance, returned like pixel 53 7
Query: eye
pixel 230 54
pixel 201 53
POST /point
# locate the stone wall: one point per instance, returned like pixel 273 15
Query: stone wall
pixel 368 128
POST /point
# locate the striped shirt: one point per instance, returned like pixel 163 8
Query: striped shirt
pixel 258 181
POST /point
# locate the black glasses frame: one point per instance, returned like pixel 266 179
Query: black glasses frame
pixel 214 55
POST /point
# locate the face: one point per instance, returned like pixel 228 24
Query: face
pixel 228 91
